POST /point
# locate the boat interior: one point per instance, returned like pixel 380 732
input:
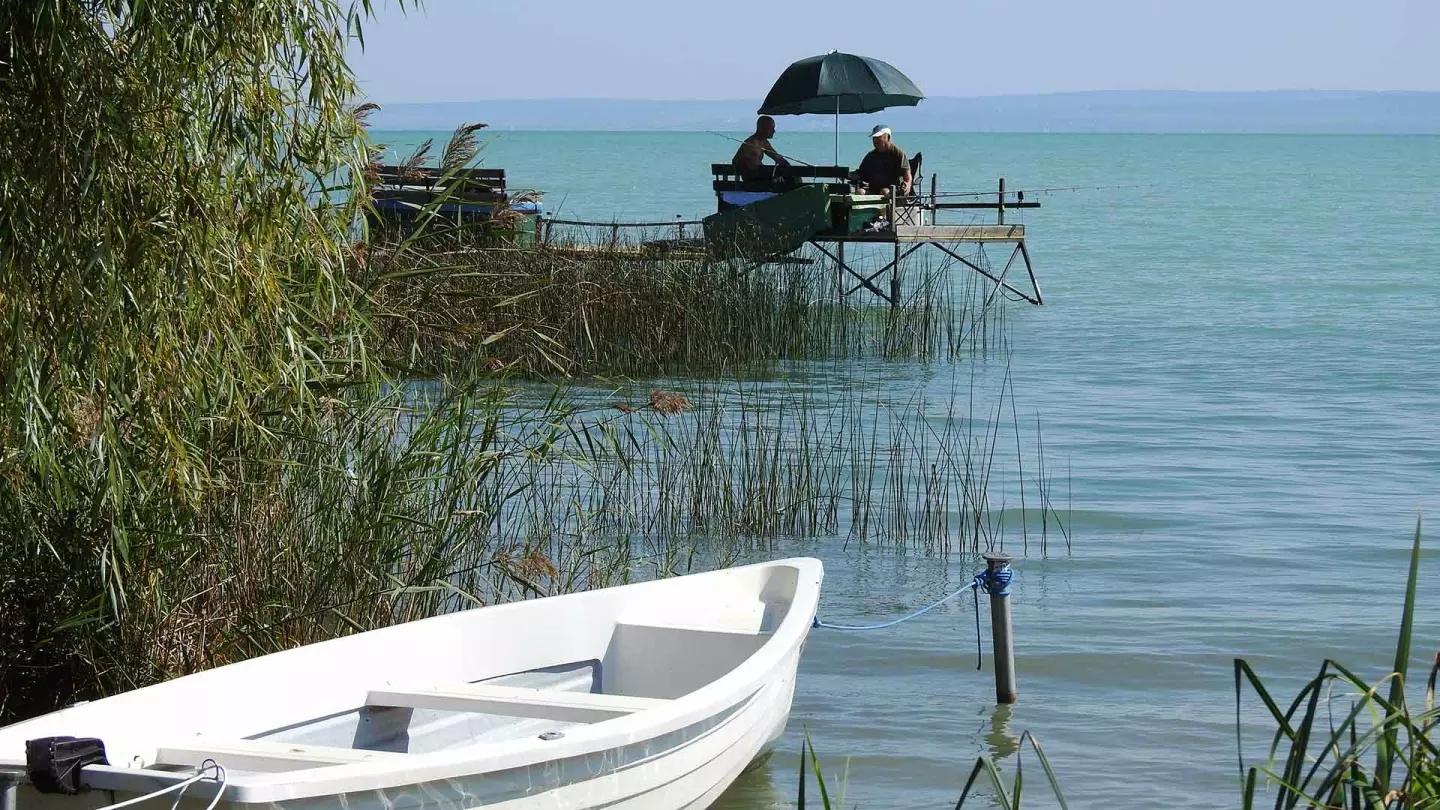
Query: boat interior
pixel 542 702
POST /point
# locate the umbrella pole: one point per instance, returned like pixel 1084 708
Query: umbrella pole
pixel 837 130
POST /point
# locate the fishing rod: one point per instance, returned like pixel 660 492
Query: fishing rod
pixel 777 151
pixel 993 192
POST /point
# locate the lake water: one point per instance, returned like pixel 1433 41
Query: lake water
pixel 1238 363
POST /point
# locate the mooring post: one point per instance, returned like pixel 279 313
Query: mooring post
pixel 1000 212
pixel 997 584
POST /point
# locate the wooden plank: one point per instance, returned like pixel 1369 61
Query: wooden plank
pixel 771 185
pixel 434 172
pixel 538 704
pixel 263 755
pixel 959 233
pixel 831 172
pixel 423 197
pixel 421 184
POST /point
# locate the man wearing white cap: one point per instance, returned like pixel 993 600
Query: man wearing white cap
pixel 886 167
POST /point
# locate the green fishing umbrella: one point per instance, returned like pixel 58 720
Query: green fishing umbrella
pixel 839 84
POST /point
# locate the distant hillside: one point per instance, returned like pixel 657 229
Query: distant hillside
pixel 1149 111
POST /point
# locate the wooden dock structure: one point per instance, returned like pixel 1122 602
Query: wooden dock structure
pixel 910 224
pixel 910 239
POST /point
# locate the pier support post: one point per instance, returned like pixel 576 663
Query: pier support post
pixel 997 577
pixel 895 278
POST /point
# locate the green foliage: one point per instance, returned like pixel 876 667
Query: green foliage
pixel 175 298
pixel 810 762
pixel 1315 761
pixel 1010 799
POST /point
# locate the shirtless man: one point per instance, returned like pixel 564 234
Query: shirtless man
pixel 886 167
pixel 755 148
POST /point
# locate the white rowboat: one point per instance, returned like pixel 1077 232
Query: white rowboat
pixel 653 695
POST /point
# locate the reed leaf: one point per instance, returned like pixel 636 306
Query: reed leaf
pixel 1385 750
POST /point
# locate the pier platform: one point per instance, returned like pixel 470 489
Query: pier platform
pixel 910 239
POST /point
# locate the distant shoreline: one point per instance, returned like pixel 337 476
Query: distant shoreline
pixel 1279 112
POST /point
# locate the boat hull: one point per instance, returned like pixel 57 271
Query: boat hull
pixel 689 705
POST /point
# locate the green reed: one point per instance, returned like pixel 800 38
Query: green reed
pixel 745 463
pixel 174 298
pixel 1347 743
pixel 586 303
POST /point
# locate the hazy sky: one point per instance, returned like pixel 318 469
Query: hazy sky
pixel 462 50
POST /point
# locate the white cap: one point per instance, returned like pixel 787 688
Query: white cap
pixel 880 129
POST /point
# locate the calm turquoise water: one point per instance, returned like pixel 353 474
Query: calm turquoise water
pixel 1240 364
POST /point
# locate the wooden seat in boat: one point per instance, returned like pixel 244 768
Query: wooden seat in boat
pixel 263 755
pixel 537 704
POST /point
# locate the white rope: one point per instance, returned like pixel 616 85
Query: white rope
pixel 220 777
pixel 181 786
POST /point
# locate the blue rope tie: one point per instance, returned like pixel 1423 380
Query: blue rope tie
pixel 976 583
pixel 997 582
pixel 994 582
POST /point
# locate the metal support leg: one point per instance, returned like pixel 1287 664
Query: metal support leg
pixel 865 282
pixel 982 271
pixel 881 271
pixel 1029 268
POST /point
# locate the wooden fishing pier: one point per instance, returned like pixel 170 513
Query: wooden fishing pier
pixel 764 222
pixel 910 239
pixel 909 224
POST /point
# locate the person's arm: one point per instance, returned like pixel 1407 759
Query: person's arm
pixel 775 156
pixel 905 180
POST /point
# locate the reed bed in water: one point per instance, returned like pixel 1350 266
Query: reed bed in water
pixel 590 306
pixel 743 464
pixel 382 507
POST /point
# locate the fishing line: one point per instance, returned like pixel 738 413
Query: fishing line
pixel 993 192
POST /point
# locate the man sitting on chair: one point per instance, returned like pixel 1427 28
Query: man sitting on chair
pixel 754 149
pixel 886 168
